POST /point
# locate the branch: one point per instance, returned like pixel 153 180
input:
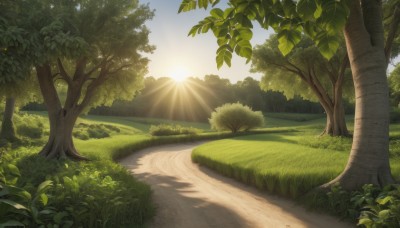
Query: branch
pixel 120 68
pixel 80 70
pixel 92 87
pixel 63 72
pixel 392 32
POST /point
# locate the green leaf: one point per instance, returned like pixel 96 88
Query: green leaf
pixel 318 11
pixel 11 223
pixel 287 40
pixel 307 8
pixel 217 13
pixel 228 12
pixel 13 204
pixel 44 186
pixel 243 20
pixel 187 5
pixel 328 46
pixel 245 33
pixel 59 216
pixel 384 214
pixel 334 17
pixel 365 221
pixel 44 199
pixel 224 55
pixel 13 170
pixel 383 201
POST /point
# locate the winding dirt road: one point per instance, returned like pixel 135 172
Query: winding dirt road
pixel 190 196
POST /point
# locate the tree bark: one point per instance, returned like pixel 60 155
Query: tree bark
pixel 369 157
pixel 7 127
pixel 334 110
pixel 62 120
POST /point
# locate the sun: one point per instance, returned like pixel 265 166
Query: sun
pixel 179 74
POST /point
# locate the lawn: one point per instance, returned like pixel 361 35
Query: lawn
pixel 281 163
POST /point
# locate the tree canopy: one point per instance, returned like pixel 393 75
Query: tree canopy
pixel 92 47
pixel 322 20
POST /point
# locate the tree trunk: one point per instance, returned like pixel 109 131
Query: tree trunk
pixel 7 127
pixel 62 120
pixel 369 157
pixel 60 143
pixel 339 127
pixel 335 118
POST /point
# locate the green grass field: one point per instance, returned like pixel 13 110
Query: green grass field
pixel 286 157
pixel 286 163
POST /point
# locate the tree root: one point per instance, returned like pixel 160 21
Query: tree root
pixel 56 151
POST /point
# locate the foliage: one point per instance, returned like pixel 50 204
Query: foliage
pixel 204 95
pixel 299 72
pixel 94 131
pixel 235 117
pixel 72 194
pixel 232 26
pixel 167 129
pixel 382 210
pixel 370 206
pixel 18 207
pixel 30 126
pixel 394 84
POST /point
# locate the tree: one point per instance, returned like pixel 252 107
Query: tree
pixel 305 72
pixel 361 24
pixel 248 92
pixel 15 65
pixel 235 117
pixel 94 48
pixel 394 83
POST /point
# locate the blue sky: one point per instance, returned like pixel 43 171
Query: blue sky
pixel 192 56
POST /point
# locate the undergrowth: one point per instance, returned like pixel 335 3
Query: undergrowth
pixel 75 193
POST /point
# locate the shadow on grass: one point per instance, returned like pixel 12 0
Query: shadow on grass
pixel 267 137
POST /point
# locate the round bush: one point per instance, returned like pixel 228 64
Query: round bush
pixel 235 117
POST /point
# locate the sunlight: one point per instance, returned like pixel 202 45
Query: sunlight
pixel 179 74
pixel 181 99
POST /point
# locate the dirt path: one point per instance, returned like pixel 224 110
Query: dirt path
pixel 190 196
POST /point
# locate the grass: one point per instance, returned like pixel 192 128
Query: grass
pixel 286 158
pixel 288 163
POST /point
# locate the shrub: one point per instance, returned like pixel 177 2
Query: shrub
pixel 235 117
pixel 168 129
pixel 96 131
pixel 29 126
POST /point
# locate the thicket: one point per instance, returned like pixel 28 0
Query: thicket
pixel 68 194
pixel 235 117
pixel 371 207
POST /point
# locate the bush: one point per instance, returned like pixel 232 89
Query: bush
pixel 29 126
pixel 69 194
pixel 167 129
pixel 235 117
pixel 94 131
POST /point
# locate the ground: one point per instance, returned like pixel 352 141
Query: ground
pixel 188 195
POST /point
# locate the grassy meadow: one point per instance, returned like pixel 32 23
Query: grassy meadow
pixel 286 157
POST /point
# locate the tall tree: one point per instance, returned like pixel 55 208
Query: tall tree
pixel 361 23
pixel 305 72
pixel 15 64
pixel 95 48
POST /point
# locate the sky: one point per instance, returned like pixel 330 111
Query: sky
pixel 177 54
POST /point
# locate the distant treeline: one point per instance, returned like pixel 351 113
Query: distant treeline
pixel 195 99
